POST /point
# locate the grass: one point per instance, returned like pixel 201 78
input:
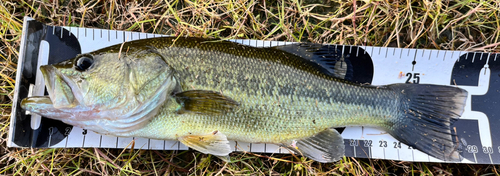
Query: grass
pixel 448 25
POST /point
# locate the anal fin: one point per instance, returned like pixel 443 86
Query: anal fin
pixel 325 147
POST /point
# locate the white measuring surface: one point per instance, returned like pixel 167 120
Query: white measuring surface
pixel 474 72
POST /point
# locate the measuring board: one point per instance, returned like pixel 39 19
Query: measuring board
pixel 476 72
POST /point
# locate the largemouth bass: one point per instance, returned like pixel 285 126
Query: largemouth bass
pixel 203 93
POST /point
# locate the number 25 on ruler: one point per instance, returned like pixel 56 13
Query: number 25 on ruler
pixel 414 77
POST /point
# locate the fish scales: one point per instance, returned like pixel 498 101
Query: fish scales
pixel 277 102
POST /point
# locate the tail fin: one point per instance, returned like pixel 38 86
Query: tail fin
pixel 425 115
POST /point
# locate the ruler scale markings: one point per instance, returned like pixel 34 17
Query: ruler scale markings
pixel 50 135
pixel 386 51
pixel 475 137
pixel 258 147
pixel 405 153
pixel 467 56
pixel 243 146
pixel 377 147
pixel 75 137
pixel 62 31
pixel 398 154
pixel 475 158
pixel 141 142
pixel 412 155
pixel 371 52
pixel 460 54
pixel 272 148
pixel 170 144
pixel 370 152
pixel 395 53
pixel 70 30
pixel 414 60
pixel 384 153
pixel 491 160
pixel 343 47
pixel 362 150
pixel 488 59
pixel 85 140
pixel 357 51
pixel 90 139
pixel 401 53
pixel 66 143
pixel 259 44
pixel 107 141
pixel 473 56
pixel 354 149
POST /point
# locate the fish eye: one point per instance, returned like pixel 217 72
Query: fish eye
pixel 83 63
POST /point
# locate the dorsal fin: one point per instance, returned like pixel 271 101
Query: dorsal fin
pixel 351 65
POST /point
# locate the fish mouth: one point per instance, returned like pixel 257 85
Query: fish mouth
pixel 48 75
pixel 59 87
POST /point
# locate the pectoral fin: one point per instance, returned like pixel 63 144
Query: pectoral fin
pixel 204 102
pixel 325 147
pixel 214 143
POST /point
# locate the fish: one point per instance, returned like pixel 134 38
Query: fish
pixel 205 92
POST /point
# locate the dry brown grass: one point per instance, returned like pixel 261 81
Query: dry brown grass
pixel 442 24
